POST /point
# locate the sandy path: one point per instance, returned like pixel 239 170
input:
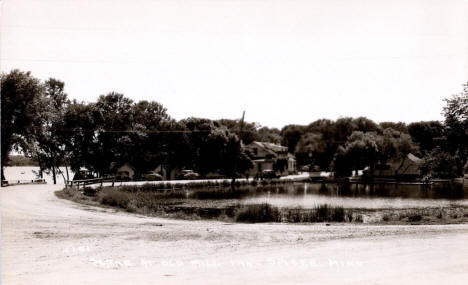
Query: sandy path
pixel 46 240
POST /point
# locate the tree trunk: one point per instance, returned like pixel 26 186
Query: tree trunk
pixel 53 175
pixel 66 169
pixel 63 176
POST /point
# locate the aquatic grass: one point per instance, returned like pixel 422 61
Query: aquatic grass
pixel 258 213
pixel 414 216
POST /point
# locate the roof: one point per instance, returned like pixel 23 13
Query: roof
pixel 414 158
pixel 115 165
pixel 263 160
pixel 127 164
pixel 270 147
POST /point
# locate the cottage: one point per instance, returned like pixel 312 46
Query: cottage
pixel 408 167
pixel 171 175
pixel 125 171
pixel 269 156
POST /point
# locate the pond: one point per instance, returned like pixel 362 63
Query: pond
pixel 365 196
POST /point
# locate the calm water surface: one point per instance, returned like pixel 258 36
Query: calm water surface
pixel 373 196
pixel 31 172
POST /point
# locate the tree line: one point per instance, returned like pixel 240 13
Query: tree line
pixel 40 120
pixel 353 143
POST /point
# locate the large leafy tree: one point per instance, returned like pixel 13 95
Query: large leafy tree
pixel 248 131
pixel 49 145
pixel 311 149
pixel 208 140
pixel 427 135
pixel 394 145
pixel 291 135
pixel 151 128
pixel 399 126
pixel 362 150
pixel 79 128
pixel 265 134
pixel 22 111
pixel 456 127
pixel 113 117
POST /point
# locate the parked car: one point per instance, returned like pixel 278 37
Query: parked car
pixel 269 174
pixel 191 175
pixel 187 175
pixel 153 176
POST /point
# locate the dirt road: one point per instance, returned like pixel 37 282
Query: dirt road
pixel 46 240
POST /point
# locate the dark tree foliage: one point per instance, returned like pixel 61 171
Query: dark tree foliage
pixel 38 119
pixel 366 149
pixel 79 128
pixel 427 135
pixel 399 126
pixel 456 127
pixel 22 104
pixel 440 163
pixel 291 134
pixel 49 146
pixel 265 134
pixel 248 133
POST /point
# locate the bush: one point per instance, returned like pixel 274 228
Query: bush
pixel 415 217
pixel 386 217
pixel 112 197
pixel 359 218
pixel 322 213
pixel 258 213
pixel 295 215
pixel 88 191
pixel 337 214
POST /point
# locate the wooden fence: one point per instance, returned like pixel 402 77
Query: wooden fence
pixel 85 182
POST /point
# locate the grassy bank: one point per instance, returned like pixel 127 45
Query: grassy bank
pixel 220 203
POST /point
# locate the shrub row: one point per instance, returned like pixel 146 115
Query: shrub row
pixel 257 213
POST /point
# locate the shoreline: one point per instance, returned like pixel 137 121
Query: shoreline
pixel 172 205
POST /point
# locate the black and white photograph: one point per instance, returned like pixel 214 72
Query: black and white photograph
pixel 234 142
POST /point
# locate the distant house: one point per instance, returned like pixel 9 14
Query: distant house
pixel 160 169
pixel 409 166
pixel 125 170
pixel 266 156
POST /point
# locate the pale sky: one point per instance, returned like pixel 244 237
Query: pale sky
pixel 283 61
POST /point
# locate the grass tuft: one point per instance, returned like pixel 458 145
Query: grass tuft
pixel 258 213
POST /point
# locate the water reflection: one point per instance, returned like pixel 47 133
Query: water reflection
pixel 359 195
